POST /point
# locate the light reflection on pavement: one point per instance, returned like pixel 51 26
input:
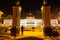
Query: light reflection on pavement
pixel 38 34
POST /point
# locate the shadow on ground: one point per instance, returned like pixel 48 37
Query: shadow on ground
pixel 30 38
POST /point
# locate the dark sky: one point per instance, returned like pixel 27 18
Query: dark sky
pixel 27 5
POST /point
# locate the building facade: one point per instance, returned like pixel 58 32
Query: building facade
pixel 31 22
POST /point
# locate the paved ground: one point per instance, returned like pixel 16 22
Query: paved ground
pixel 8 37
pixel 29 35
pixel 30 38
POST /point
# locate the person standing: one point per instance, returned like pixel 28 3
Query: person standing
pixel 22 29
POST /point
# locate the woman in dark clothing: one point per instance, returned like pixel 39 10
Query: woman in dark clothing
pixel 22 30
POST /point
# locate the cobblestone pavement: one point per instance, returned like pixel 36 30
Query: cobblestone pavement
pixel 7 37
pixel 29 36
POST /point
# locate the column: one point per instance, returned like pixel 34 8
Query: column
pixel 16 18
pixel 45 9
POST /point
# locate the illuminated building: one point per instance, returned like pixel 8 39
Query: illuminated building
pixel 30 22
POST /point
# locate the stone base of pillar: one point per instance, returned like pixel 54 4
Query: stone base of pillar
pixel 48 31
pixel 15 31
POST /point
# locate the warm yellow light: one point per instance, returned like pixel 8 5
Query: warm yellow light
pixel 42 8
pixel 17 2
pixel 59 12
pixel 59 18
pixel 44 2
pixel 19 9
pixel 1 13
pixel 33 33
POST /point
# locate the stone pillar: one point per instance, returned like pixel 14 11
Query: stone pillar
pixel 16 15
pixel 15 30
pixel 46 15
pixel 45 9
pixel 16 18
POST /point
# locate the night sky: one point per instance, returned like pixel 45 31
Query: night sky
pixel 27 5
